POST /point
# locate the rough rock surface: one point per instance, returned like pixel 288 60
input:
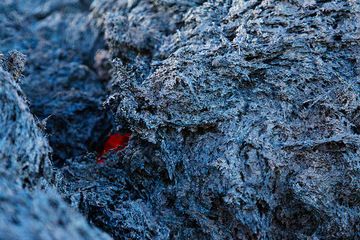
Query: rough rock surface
pixel 60 78
pixel 249 111
pixel 40 215
pixel 24 150
pixel 29 207
pixel 244 113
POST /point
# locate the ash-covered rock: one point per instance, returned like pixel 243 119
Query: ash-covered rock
pixel 252 111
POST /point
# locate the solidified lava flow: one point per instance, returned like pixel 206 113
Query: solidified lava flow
pixel 223 119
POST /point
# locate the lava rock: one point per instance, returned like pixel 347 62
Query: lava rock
pixel 24 150
pixel 30 208
pixel 60 79
pixel 251 111
pixel 244 114
pixel 40 215
pixel 109 197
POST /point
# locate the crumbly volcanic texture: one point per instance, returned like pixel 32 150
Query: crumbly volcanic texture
pixel 244 114
pixel 245 117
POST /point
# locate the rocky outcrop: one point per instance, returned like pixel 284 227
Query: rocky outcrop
pixel 249 109
pixel 40 215
pixel 24 151
pixel 29 207
pixel 244 117
pixel 60 79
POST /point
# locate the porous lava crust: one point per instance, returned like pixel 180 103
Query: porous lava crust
pixel 244 114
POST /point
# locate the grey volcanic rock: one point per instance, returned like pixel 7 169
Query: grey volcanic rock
pixel 249 109
pixel 29 207
pixel 24 150
pixel 60 79
pixel 110 197
pixel 244 118
pixel 25 163
pixel 40 215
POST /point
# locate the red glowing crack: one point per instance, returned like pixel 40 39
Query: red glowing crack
pixel 115 142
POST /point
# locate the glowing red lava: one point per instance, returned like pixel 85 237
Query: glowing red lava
pixel 116 141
